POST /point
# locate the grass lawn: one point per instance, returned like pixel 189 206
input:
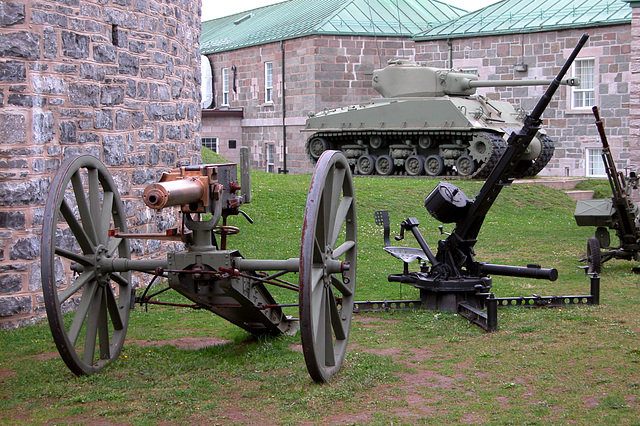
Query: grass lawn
pixel 549 366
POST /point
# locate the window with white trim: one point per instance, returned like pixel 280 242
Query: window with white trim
pixel 211 143
pixel 225 86
pixel 268 82
pixel 584 96
pixel 271 156
pixel 594 163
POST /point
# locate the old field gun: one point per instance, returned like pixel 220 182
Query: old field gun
pixel 451 279
pixel 85 232
pixel 618 213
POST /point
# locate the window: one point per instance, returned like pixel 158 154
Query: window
pixel 211 143
pixel 268 82
pixel 271 154
pixel 225 86
pixel 595 165
pixel 584 96
pixel 473 71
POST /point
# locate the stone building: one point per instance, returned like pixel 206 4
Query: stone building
pixel 324 53
pixel 329 67
pixel 116 79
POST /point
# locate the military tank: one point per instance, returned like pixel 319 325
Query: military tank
pixel 428 121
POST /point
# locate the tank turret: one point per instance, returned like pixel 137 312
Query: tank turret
pixel 429 121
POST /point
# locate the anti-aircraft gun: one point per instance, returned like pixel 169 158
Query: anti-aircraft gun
pixel 451 277
pixel 428 122
pixel 618 213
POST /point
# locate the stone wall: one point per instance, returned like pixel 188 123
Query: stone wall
pixel 634 62
pixel 116 79
pixel 333 71
pixel 320 72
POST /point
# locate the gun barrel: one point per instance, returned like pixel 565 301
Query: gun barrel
pixel 509 83
pixel 173 193
pixel 530 271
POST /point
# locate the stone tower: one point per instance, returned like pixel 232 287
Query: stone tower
pixel 116 79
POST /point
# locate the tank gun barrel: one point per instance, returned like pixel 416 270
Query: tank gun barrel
pixel 511 83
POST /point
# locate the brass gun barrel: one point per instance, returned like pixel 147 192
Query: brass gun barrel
pixel 173 193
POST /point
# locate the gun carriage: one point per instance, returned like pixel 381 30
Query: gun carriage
pixel 618 213
pixel 85 232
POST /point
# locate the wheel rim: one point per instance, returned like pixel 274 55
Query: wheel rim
pixel 326 297
pixel 94 333
pixel 465 166
pixel 414 165
pixel 384 165
pixel 434 165
pixel 365 164
pixel 316 147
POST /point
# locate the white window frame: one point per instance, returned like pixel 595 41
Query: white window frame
pixel 594 166
pixel 268 82
pixel 208 142
pixel 583 97
pixel 270 156
pixel 225 86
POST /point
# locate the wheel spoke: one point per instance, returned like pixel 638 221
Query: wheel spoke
pixel 103 326
pixel 317 297
pixel 83 207
pixel 105 216
pixel 122 281
pixel 113 245
pixel 339 219
pixel 341 286
pixel 112 305
pixel 76 285
pixel 336 320
pixel 76 228
pixel 329 356
pixel 81 313
pixel 78 258
pixel 343 248
pixel 94 204
pixel 92 328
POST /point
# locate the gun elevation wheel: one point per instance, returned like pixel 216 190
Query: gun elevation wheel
pixel 88 316
pixel 327 266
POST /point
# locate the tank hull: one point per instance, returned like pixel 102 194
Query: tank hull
pixel 457 136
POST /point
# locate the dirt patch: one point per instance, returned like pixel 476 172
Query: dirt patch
pixel 5 373
pixel 46 356
pixel 187 343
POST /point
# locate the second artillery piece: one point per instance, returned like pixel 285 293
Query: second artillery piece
pixel 618 213
pixel 429 121
pixel 85 232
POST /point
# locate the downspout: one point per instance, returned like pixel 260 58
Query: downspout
pixel 284 116
pixel 450 54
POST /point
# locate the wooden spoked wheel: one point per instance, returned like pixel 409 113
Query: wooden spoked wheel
pixel 83 204
pixel 328 266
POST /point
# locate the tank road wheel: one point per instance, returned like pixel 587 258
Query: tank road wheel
pixel 327 266
pixel 317 146
pixel 376 142
pixel 434 165
pixel 84 199
pixel 384 165
pixel 414 165
pixel 594 259
pixel 366 164
pixel 465 165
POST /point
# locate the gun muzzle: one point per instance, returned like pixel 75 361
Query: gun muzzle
pixel 173 193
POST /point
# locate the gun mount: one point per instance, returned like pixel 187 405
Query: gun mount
pixel 618 213
pixel 451 277
pixel 84 205
pixel 428 122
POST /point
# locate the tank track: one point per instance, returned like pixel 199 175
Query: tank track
pixel 533 168
pixel 338 140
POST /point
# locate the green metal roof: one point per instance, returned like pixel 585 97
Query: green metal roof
pixel 298 18
pixel 521 16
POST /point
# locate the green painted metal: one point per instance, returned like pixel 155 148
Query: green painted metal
pixel 516 16
pixel 299 18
